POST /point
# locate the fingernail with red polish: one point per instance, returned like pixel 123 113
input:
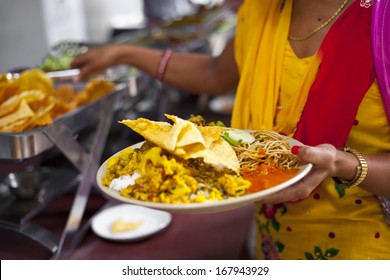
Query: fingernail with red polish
pixel 295 149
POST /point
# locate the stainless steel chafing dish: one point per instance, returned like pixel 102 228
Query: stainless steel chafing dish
pixel 23 145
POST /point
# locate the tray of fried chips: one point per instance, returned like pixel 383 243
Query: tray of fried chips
pixel 32 101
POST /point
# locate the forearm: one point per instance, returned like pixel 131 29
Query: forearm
pixel 191 72
pixel 377 180
pixel 378 177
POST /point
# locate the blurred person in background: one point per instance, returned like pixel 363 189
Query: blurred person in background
pixel 306 69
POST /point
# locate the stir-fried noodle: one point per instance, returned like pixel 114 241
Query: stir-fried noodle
pixel 269 147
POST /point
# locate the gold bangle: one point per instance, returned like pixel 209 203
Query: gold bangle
pixel 361 171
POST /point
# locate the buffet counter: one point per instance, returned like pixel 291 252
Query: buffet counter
pixel 44 225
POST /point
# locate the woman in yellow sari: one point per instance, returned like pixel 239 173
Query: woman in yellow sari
pixel 305 69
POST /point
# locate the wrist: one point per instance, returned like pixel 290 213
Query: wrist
pixel 345 165
pixel 123 54
pixel 351 168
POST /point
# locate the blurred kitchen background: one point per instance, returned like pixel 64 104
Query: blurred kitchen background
pixel 30 28
pixel 48 33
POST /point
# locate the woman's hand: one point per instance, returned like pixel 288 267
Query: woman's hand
pixel 324 158
pixel 96 60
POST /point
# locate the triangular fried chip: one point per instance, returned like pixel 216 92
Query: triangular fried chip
pixel 185 133
pixel 155 132
pixel 219 154
pixel 35 79
pixel 23 112
pixel 33 122
pixel 12 103
pixel 94 90
pixel 7 90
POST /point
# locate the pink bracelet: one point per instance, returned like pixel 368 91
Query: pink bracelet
pixel 163 64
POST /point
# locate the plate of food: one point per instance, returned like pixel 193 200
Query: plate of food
pixel 193 168
pixel 125 222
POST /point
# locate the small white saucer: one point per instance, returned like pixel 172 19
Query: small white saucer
pixel 151 221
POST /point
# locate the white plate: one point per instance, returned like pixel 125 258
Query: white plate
pixel 205 207
pixel 151 222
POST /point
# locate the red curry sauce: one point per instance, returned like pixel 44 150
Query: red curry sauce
pixel 266 176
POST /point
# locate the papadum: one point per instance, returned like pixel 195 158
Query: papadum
pixel 187 140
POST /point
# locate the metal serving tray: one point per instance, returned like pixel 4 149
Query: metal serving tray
pixel 23 145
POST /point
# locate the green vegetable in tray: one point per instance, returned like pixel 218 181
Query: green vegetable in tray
pixel 61 55
pixel 55 63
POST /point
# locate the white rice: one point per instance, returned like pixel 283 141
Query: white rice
pixel 123 181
